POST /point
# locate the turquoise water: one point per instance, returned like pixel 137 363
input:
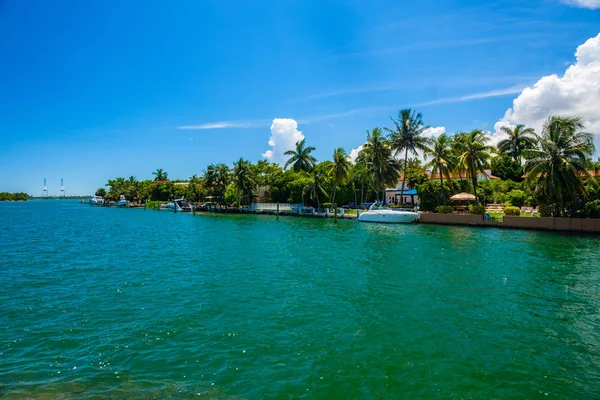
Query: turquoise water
pixel 133 303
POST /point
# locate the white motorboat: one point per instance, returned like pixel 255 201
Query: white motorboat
pixel 380 213
pixel 180 205
pixel 96 201
pixel 122 202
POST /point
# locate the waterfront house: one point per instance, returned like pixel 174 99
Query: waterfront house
pixel 410 196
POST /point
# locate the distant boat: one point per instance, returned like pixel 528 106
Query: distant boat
pixel 380 213
pixel 180 205
pixel 96 201
pixel 122 202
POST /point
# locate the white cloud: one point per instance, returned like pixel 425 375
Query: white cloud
pixel 284 135
pixel 591 4
pixel 474 96
pixel 576 93
pixel 219 125
pixel 434 132
pixel 354 154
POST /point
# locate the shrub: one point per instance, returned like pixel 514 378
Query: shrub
pixel 512 211
pixel 592 209
pixel 326 205
pixel 516 198
pixel 444 209
pixel 476 209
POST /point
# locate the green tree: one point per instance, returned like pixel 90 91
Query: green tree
pixel 475 156
pixel 340 170
pixel 506 167
pixel 440 152
pixel 101 192
pixel 300 158
pixel 519 139
pixel 314 186
pixel 243 180
pixel 223 176
pixel 556 168
pixel 377 155
pixel 406 136
pixel 160 175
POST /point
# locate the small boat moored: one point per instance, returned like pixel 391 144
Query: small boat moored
pixel 122 202
pixel 96 201
pixel 180 205
pixel 378 212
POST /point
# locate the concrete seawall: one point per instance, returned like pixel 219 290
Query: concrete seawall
pixel 591 225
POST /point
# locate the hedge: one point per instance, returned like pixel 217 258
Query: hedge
pixel 512 211
pixel 444 209
pixel 476 209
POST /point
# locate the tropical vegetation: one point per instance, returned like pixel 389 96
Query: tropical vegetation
pixel 5 196
pixel 552 169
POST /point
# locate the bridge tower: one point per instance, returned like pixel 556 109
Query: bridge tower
pixel 62 187
pixel 45 191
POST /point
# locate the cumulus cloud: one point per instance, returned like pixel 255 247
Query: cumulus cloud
pixel 576 93
pixel 284 135
pixel 433 133
pixel 354 154
pixel 591 4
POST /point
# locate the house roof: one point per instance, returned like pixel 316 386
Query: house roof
pixel 407 192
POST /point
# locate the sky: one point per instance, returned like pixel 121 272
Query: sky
pixel 96 90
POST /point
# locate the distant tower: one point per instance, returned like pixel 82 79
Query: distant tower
pixel 45 191
pixel 62 188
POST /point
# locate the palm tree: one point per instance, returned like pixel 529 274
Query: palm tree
pixel 475 156
pixel 223 175
pixel 315 186
pixel 519 139
pixel 457 147
pixel 210 179
pixel 160 175
pixel 441 159
pixel 300 159
pixel 407 136
pixel 360 173
pixel 558 165
pixel 377 154
pixel 132 187
pixel 340 169
pixel 242 178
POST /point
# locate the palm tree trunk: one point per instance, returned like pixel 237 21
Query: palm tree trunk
pixel 404 177
pixel 442 185
pixel 474 181
pixel 362 191
pixel 333 197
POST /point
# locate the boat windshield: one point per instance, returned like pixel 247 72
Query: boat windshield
pixel 378 206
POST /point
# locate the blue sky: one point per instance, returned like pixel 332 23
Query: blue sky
pixel 95 90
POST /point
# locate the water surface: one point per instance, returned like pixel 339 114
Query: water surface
pixel 134 303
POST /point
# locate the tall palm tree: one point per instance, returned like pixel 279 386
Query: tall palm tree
pixel 300 158
pixel 558 165
pixel 360 174
pixel 519 139
pixel 406 136
pixel 223 175
pixel 315 186
pixel 441 159
pixel 475 156
pixel 377 154
pixel 210 179
pixel 339 170
pixel 242 178
pixel 457 147
pixel 160 175
pixel 132 187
